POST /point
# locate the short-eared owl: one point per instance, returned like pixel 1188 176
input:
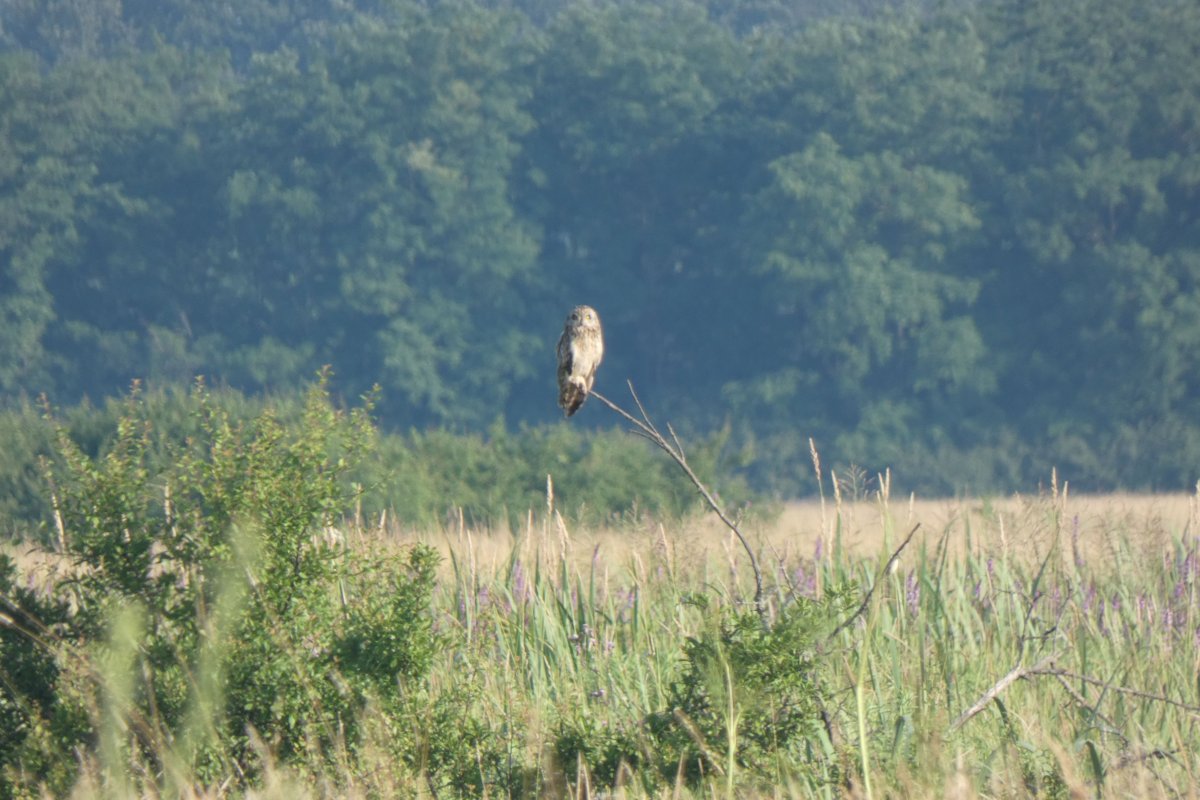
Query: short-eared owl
pixel 580 349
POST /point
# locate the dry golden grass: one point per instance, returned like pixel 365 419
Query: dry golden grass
pixel 1018 526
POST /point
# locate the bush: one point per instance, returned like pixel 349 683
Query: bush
pixel 419 478
pixel 746 704
pixel 206 577
pixel 31 714
pixel 747 697
pixel 599 477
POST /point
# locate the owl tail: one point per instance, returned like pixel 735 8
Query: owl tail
pixel 573 393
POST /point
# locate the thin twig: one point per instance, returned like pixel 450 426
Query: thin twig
pixel 1046 667
pixel 645 428
pixel 1092 709
pixel 866 601
pixel 1138 758
pixel 1064 673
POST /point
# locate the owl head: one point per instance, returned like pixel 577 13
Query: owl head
pixel 583 317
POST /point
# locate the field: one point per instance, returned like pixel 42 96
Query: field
pixel 1029 646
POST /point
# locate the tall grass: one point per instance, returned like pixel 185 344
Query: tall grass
pixel 566 646
pixel 1111 615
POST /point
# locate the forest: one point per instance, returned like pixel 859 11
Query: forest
pixel 956 240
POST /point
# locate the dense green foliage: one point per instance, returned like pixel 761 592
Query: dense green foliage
pixel 202 604
pixel 960 241
pixel 421 479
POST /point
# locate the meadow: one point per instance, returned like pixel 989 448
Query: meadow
pixel 1041 646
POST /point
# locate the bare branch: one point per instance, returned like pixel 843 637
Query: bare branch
pixel 645 428
pixel 1049 669
pixel 674 438
pixel 1046 667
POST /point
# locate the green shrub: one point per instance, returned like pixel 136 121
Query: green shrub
pixel 599 477
pixel 25 439
pixel 32 715
pixel 748 697
pixel 419 478
pixel 204 571
pixel 611 751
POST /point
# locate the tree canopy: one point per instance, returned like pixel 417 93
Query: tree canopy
pixel 959 240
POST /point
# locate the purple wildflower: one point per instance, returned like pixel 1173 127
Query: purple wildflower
pixel 912 594
pixel 798 576
pixel 518 581
pixel 1089 598
pixel 628 596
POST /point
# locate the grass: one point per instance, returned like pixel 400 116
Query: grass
pixel 552 628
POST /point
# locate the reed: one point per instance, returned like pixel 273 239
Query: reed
pixel 1042 646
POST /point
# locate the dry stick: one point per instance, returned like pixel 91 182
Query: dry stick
pixel 1015 674
pixel 1045 669
pixel 645 428
pixel 1091 708
pixel 866 601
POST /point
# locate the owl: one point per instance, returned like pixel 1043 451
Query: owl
pixel 580 349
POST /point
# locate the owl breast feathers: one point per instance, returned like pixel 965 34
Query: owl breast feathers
pixel 580 349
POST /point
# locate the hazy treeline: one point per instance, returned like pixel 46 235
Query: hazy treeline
pixel 960 241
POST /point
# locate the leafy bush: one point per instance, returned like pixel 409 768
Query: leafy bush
pixel 207 577
pixel 746 700
pixel 419 478
pixel 24 439
pixel 598 476
pixel 31 714
pixel 748 697
pixel 609 750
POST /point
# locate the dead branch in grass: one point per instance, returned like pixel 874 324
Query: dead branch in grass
pixel 1050 669
pixel 1046 667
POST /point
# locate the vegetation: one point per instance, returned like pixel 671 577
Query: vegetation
pixel 957 239
pixel 419 478
pixel 217 624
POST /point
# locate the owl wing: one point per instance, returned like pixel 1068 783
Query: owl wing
pixel 580 349
pixel 570 398
pixel 565 355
